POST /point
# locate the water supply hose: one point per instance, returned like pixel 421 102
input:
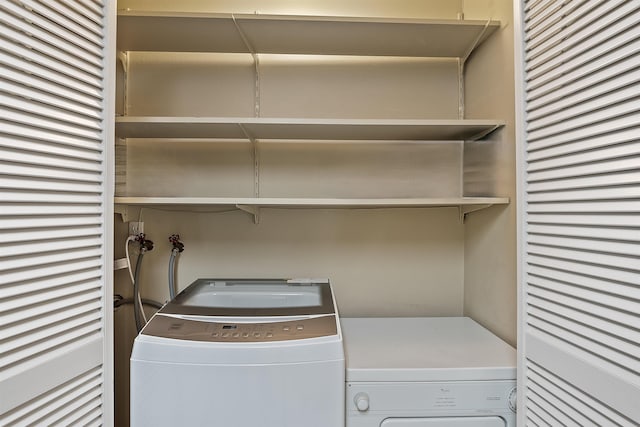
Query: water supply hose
pixel 172 263
pixel 138 310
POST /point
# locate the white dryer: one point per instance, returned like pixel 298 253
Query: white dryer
pixel 427 372
pixel 241 353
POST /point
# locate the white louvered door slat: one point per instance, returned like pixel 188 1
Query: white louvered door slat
pixel 51 282
pixel 33 184
pixel 67 17
pixel 25 210
pixel 58 397
pixel 19 71
pixel 544 16
pixel 579 197
pixel 89 9
pixel 29 343
pixel 572 34
pixel 48 172
pixel 46 234
pixel 576 14
pixel 56 206
pixel 583 194
pixel 51 258
pixel 49 221
pixel 38 95
pixel 590 68
pixel 17 54
pixel 70 413
pixel 49 111
pixel 20 156
pixel 47 124
pixel 49 148
pixel 50 28
pixel 561 275
pixel 581 98
pixel 594 410
pixel 75 309
pixel 610 307
pixel 594 207
pixel 593 156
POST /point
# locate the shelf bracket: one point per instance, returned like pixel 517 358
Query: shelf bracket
pixel 123 211
pixel 476 42
pixel 484 133
pixel 252 210
pixel 461 68
pixel 123 57
pixel 463 211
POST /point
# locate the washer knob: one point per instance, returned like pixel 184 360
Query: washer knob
pixel 362 401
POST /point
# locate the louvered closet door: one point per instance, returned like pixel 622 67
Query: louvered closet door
pixel 55 208
pixel 580 219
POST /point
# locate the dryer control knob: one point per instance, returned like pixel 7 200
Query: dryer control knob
pixel 512 399
pixel 362 401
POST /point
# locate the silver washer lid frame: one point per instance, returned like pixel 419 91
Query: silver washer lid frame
pixel 177 306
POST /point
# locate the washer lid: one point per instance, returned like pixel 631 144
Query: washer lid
pixel 253 297
pixel 424 349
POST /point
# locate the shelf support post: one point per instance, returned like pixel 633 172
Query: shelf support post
pixel 256 161
pixel 123 58
pixel 460 89
pixel 256 62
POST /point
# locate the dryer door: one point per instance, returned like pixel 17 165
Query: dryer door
pixel 445 422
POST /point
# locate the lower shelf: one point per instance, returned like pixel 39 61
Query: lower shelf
pixel 253 204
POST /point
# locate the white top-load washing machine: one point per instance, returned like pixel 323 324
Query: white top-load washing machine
pixel 427 372
pixel 241 353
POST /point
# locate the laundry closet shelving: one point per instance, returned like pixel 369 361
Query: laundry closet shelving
pixel 311 35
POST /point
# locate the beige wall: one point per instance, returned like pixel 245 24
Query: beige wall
pixel 489 169
pixel 381 262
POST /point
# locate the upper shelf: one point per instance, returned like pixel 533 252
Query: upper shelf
pixel 304 129
pixel 270 202
pixel 253 205
pixel 289 34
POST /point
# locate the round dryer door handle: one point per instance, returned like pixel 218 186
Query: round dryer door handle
pixel 362 401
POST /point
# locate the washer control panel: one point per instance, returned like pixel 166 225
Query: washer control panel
pixel 218 331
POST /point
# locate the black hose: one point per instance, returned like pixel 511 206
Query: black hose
pixel 137 308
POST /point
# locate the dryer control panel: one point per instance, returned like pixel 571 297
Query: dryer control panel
pixel 215 330
pixel 371 403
